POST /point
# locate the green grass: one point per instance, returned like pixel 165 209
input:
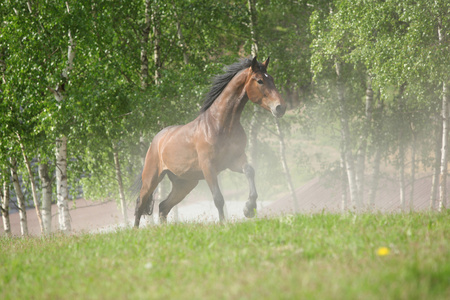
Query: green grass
pixel 303 257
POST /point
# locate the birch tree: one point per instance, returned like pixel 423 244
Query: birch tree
pixel 4 177
pixel 378 146
pixel 346 138
pixel 4 194
pixel 181 40
pixel 285 166
pixel 401 148
pixel 424 52
pixel 144 44
pixel 123 203
pixel 46 190
pixel 331 50
pixel 36 34
pixel 437 162
pixel 24 90
pixel 116 82
pixel 254 128
pixel 442 36
pixel 362 148
pixel 156 42
pixel 32 182
pixel 20 199
pixel 383 37
pixel 62 189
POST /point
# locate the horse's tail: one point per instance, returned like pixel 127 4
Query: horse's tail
pixel 135 188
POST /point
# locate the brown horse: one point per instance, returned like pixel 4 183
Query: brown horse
pixel 211 143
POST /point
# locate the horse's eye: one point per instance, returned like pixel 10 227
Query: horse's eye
pixel 260 81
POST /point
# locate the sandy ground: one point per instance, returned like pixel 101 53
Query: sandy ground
pixel 97 217
pixel 314 196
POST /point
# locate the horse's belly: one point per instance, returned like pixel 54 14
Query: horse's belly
pixel 181 163
pixel 229 155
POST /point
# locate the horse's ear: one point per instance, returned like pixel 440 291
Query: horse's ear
pixel 255 67
pixel 266 63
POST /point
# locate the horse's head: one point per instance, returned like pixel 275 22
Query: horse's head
pixel 261 89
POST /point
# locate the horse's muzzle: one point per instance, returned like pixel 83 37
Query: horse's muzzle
pixel 279 110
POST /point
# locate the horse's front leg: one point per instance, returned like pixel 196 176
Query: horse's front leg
pixel 250 205
pixel 211 178
pixel 241 166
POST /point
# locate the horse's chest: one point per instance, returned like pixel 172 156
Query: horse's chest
pixel 229 149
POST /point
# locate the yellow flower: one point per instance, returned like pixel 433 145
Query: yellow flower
pixel 383 251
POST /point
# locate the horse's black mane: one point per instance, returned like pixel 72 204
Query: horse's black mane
pixel 221 81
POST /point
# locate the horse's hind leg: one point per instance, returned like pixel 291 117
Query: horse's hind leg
pixel 250 205
pixel 144 204
pixel 180 189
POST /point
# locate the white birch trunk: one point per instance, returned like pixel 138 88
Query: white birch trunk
pixel 401 152
pixel 20 198
pixel 144 44
pixel 253 22
pixel 375 178
pixel 5 207
pixel 346 141
pixel 444 150
pixel 413 170
pixel 445 124
pixel 157 44
pixel 344 182
pixel 437 163
pixel 32 183
pixel 287 174
pixel 402 177
pixel 361 154
pixel 70 56
pixel 377 158
pixel 123 203
pixel 46 197
pixel 182 43
pixel 62 190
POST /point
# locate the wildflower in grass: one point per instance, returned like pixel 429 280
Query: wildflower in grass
pixel 148 265
pixel 383 251
pixel 288 219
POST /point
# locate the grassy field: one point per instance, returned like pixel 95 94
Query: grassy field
pixel 403 256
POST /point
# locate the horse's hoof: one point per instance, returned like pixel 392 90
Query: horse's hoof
pixel 249 210
pixel 148 210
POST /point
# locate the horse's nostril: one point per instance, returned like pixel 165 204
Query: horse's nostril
pixel 280 109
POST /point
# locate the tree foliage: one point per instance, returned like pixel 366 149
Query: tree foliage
pixel 394 43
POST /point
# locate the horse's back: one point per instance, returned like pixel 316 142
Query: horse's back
pixel 175 149
pixel 182 149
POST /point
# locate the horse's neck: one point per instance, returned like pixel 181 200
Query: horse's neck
pixel 227 108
